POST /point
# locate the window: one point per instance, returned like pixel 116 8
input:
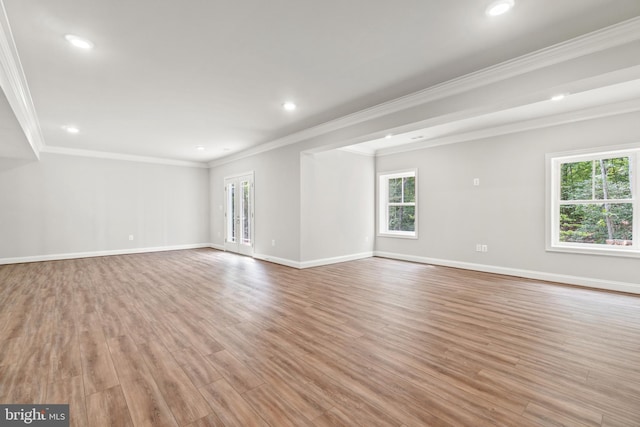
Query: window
pixel 594 203
pixel 397 197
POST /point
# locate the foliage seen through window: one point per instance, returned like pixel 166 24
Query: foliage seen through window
pixel 401 217
pixel 596 203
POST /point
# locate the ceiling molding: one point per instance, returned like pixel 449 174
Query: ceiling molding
pixel 616 35
pixel 118 156
pixel 354 149
pixel 14 84
pixel 593 113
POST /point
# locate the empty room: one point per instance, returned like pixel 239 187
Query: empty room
pixel 295 213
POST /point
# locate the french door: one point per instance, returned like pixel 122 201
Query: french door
pixel 238 214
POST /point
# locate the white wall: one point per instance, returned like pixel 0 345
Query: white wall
pixel 337 205
pixel 277 201
pixel 66 204
pixel 297 197
pixel 507 211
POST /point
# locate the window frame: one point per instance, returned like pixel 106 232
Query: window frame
pixel 383 203
pixel 554 202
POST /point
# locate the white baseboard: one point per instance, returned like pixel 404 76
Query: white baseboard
pixel 57 257
pixel 633 288
pixel 335 260
pixel 312 263
pixel 276 260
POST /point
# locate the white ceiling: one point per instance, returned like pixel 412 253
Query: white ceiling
pixel 166 76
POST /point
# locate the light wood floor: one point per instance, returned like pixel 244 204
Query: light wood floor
pixel 206 338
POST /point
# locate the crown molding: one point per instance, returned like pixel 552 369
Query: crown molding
pixel 14 84
pixel 615 35
pixel 593 113
pixel 118 156
pixel 358 150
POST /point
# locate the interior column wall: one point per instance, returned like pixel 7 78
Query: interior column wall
pixel 337 205
pixel 276 198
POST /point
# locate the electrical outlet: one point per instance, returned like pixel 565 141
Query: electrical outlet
pixel 476 182
pixel 478 247
pixel 130 236
pixel 485 248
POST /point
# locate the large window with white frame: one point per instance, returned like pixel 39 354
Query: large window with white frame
pixel 398 204
pixel 594 202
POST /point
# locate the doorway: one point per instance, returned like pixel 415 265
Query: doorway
pixel 238 214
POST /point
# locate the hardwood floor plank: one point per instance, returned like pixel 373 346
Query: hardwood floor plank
pixel 108 408
pixel 234 371
pixel 196 338
pixel 14 324
pixel 206 338
pixel 547 417
pixel 273 408
pixel 572 407
pixel 230 406
pixel 399 398
pixel 210 420
pixel 305 397
pixel 615 420
pixel 198 368
pixel 137 326
pixel 355 400
pixel 70 391
pixel 26 379
pixel 10 350
pixel 98 371
pixel 333 419
pixel 111 322
pixel 146 404
pixel 65 357
pixel 126 359
pixel 186 403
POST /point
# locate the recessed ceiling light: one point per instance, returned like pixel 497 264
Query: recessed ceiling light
pixel 79 42
pixel 559 97
pixel 200 148
pixel 289 106
pixel 499 7
pixel 417 137
pixel 388 136
pixel 71 129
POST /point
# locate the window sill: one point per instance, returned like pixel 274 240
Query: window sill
pixel 399 235
pixel 606 251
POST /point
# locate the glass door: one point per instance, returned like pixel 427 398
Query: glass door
pixel 238 214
